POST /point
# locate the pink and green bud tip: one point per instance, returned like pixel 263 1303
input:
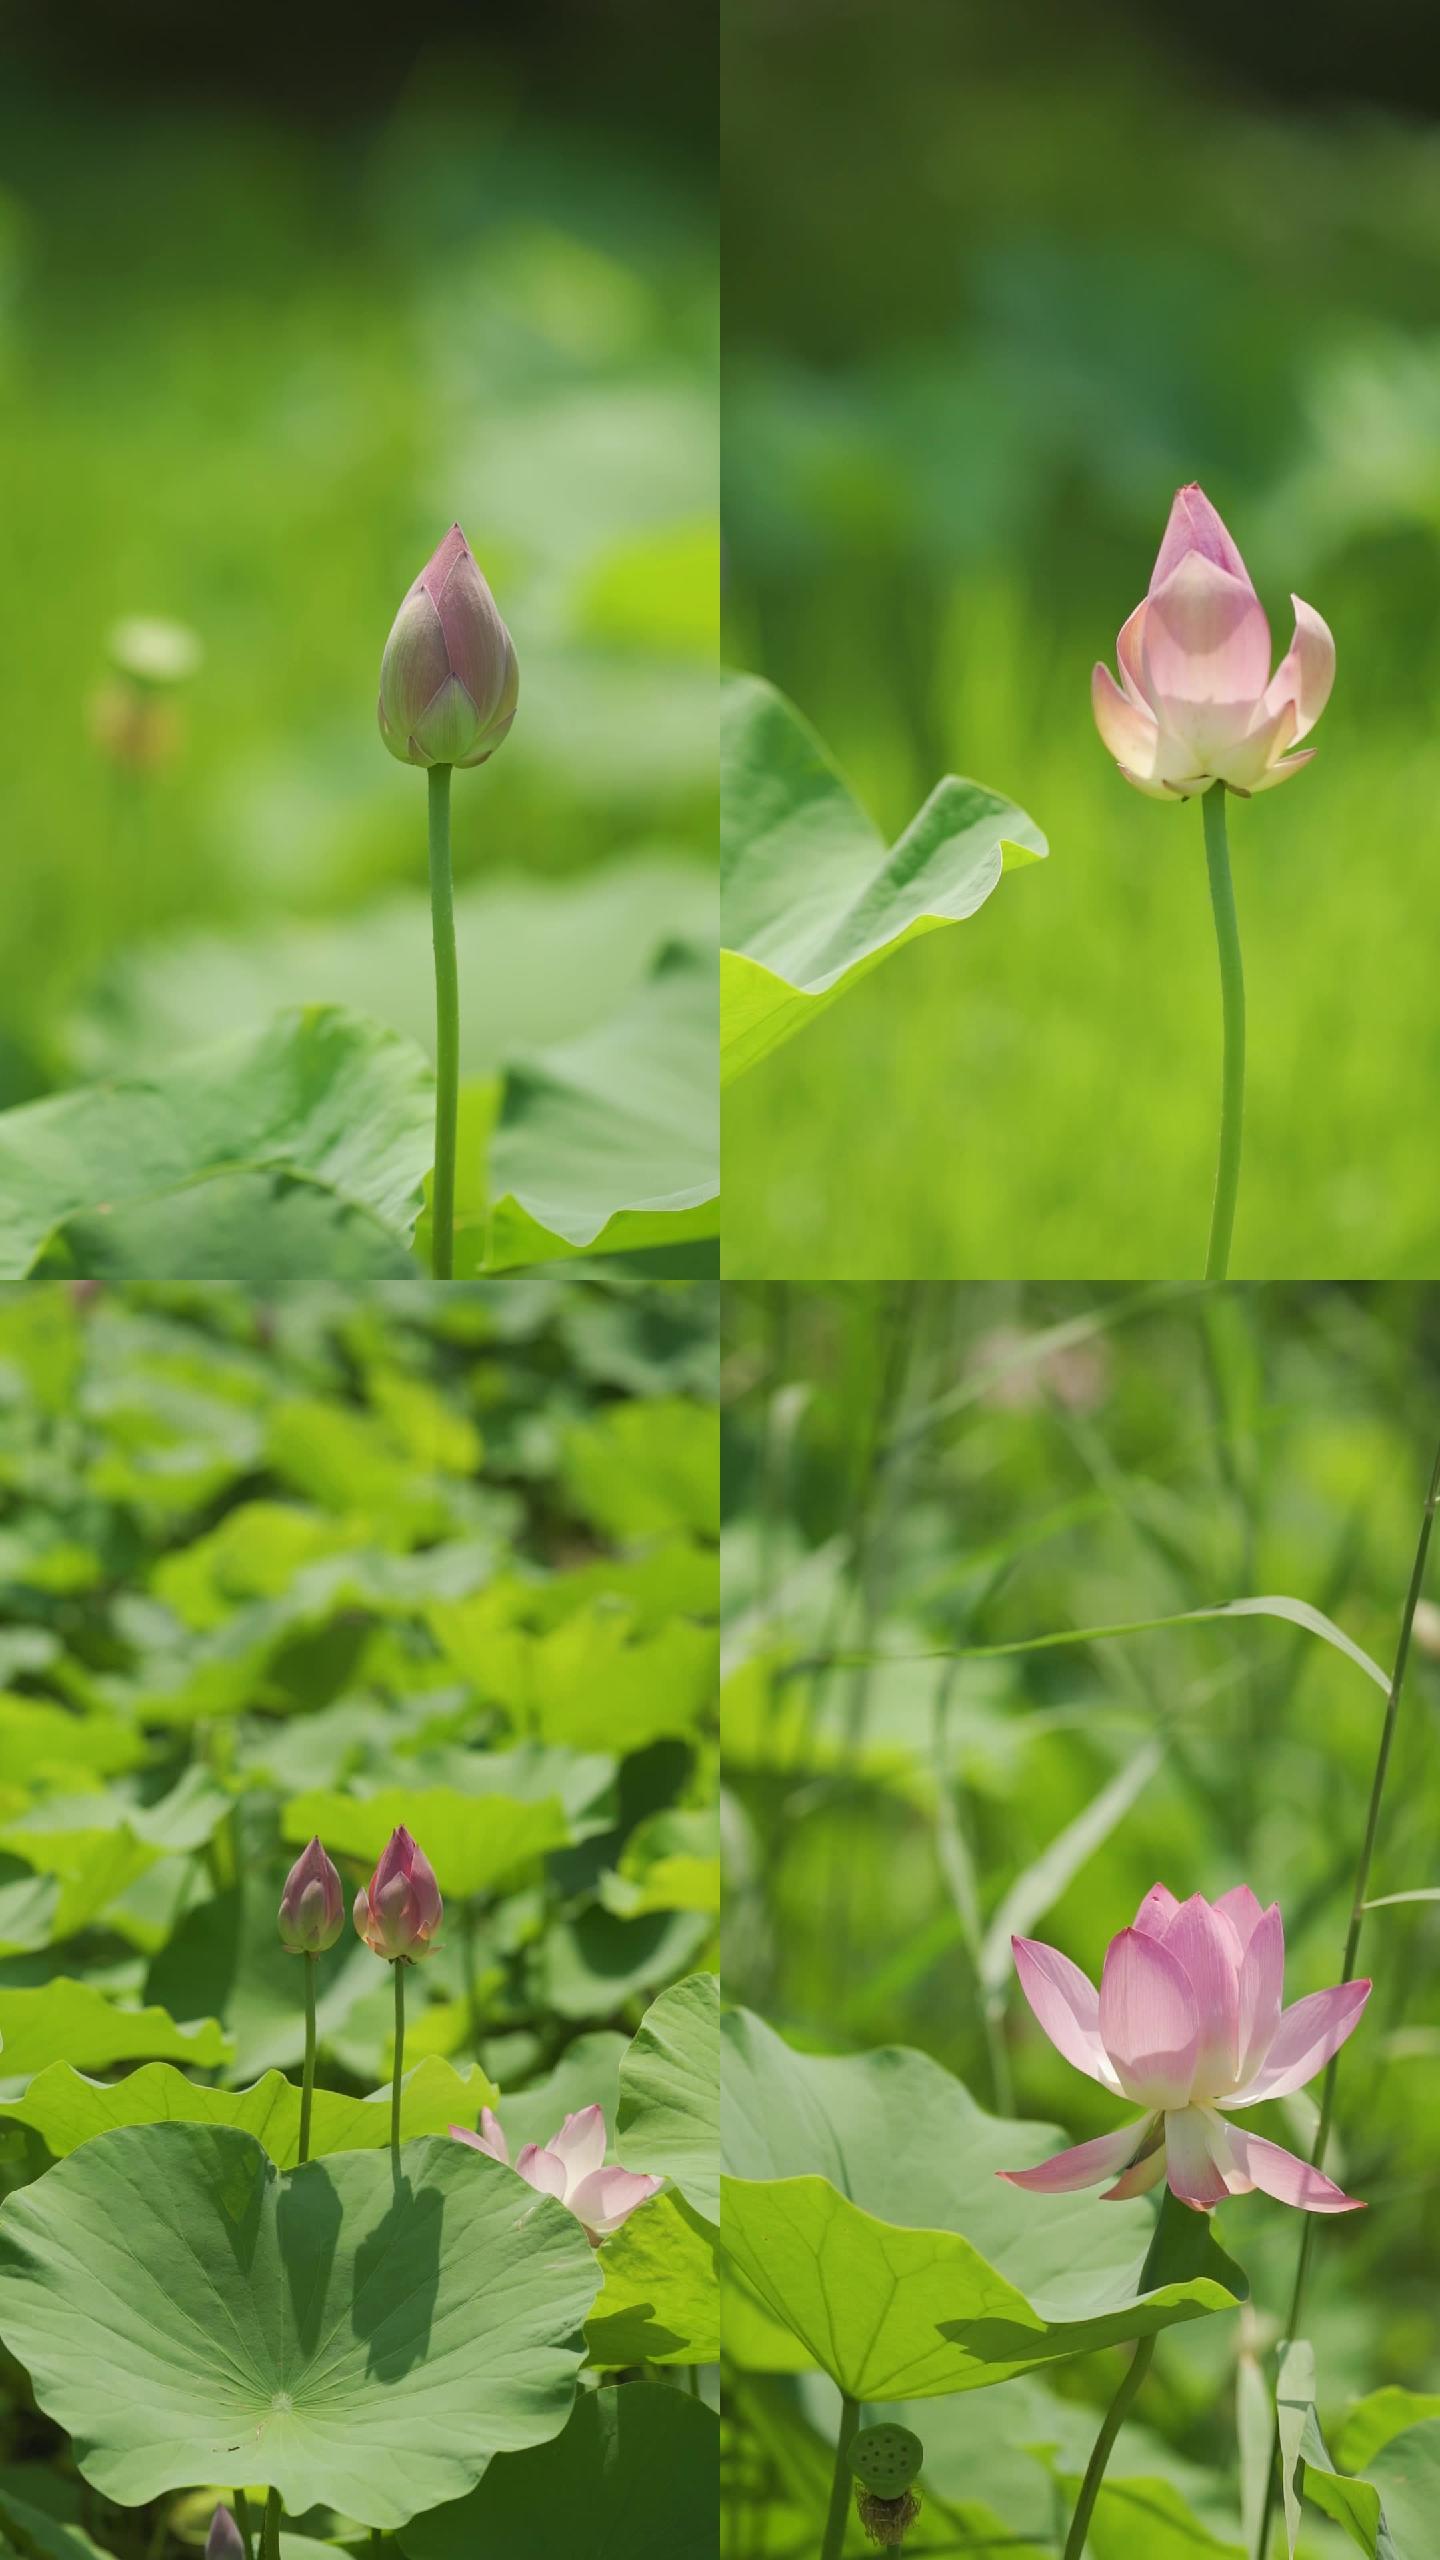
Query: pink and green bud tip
pixel 1188 2024
pixel 312 1906
pixel 399 1911
pixel 224 2541
pixel 1196 703
pixel 448 680
pixel 570 2167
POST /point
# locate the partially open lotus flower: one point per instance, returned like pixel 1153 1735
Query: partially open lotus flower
pixel 448 680
pixel 312 1906
pixel 399 1911
pixel 1187 2024
pixel 1196 702
pixel 571 2167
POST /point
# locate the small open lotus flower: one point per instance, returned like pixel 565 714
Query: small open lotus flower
pixel 224 2541
pixel 398 1912
pixel 1196 702
pixel 448 680
pixel 312 1906
pixel 571 2166
pixel 1187 2023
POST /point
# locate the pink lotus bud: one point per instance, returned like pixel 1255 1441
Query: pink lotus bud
pixel 448 680
pixel 1196 702
pixel 224 2541
pixel 398 1912
pixel 1188 2024
pixel 312 1906
pixel 570 2167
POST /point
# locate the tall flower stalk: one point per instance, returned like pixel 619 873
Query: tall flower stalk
pixel 397 1914
pixel 310 1919
pixel 1352 1949
pixel 449 686
pixel 1197 712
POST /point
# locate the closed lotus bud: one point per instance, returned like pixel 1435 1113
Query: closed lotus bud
pixel 448 680
pixel 312 1906
pixel 398 1912
pixel 224 2540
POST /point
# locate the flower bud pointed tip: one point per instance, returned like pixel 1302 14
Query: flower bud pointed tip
pixel 224 2540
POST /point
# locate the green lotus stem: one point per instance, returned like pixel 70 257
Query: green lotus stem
pixel 835 2521
pixel 399 1972
pixel 1232 1000
pixel 1119 2408
pixel 447 1026
pixel 270 2539
pixel 307 2085
pixel 1352 1951
pixel 243 2520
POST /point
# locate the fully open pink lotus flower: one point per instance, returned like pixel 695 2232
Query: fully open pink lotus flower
pixel 312 1906
pixel 1196 702
pixel 448 680
pixel 570 2166
pixel 399 1911
pixel 1187 2023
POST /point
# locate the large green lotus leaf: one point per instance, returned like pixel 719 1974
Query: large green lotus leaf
pixel 671 1862
pixel 72 2022
pixel 186 2311
pixel 660 2302
pixel 1377 2418
pixel 539 961
pixel 811 897
pixel 866 2215
pixel 645 1467
pixel 669 2121
pixel 320 1098
pixel 66 2109
pixel 475 1843
pixel 597 1682
pixel 606 1143
pixel 40 2535
pixel 592 1964
pixel 41 1743
pixel 635 2476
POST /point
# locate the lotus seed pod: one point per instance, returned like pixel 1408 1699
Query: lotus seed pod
pixel 887 2459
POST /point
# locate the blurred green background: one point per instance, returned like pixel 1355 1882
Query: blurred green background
pixel 275 306
pixel 911 1469
pixel 996 282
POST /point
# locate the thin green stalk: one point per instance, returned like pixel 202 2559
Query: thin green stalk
pixel 1232 999
pixel 840 2486
pixel 447 1025
pixel 243 2520
pixel 1352 1951
pixel 307 2086
pixel 1119 2408
pixel 399 1972
pixel 270 2539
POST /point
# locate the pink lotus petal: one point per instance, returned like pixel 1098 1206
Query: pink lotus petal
pixel 1156 1911
pixel 1149 2023
pixel 1206 651
pixel 491 2133
pixel 541 2170
pixel 1129 654
pixel 1278 2173
pixel 1262 1984
pixel 416 662
pixel 1307 670
pixel 1241 1908
pixel 604 2199
pixel 1066 2004
pixel 1127 728
pixel 1280 772
pixel 1139 2178
pixel 1195 526
pixel 1307 2035
pixel 1190 2165
pixel 1203 1941
pixel 477 2142
pixel 1084 2166
pixel 580 2143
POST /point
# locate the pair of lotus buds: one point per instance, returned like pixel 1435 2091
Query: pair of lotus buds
pixel 397 1913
